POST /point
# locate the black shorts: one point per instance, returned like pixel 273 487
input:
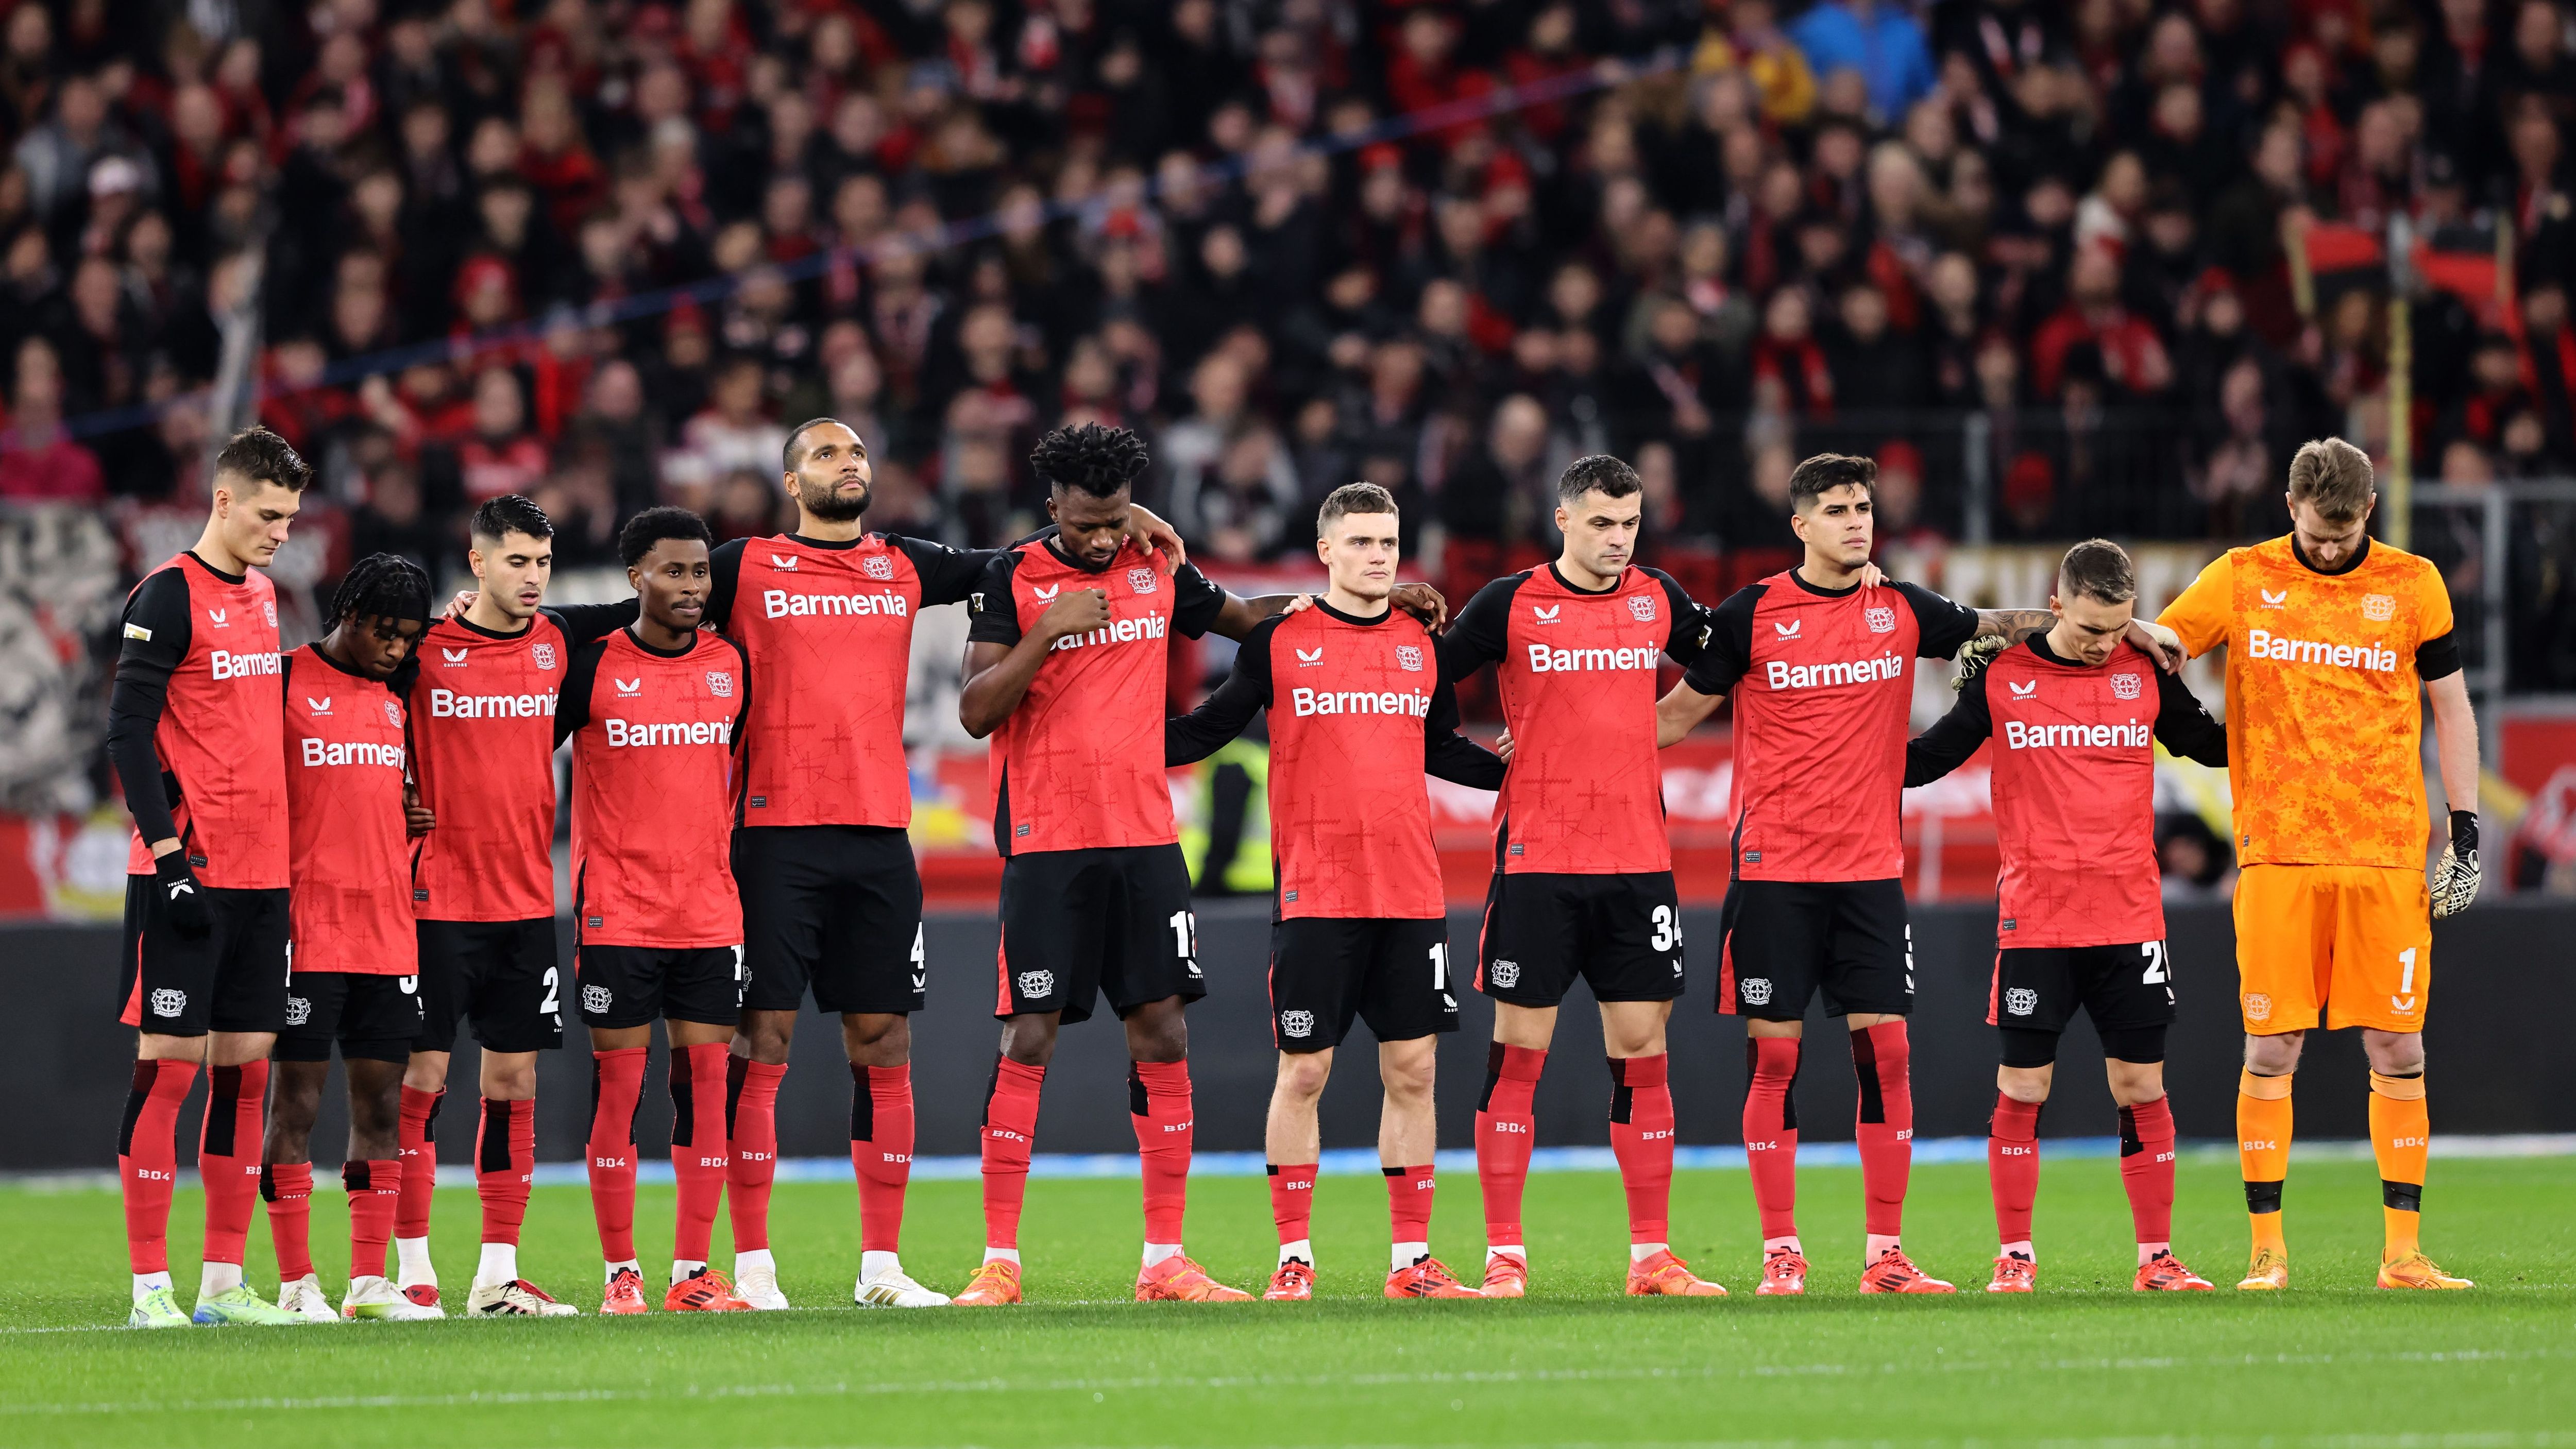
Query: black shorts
pixel 373 1018
pixel 1621 933
pixel 233 978
pixel 501 974
pixel 624 986
pixel 2037 988
pixel 1324 970
pixel 1078 924
pixel 1780 942
pixel 836 907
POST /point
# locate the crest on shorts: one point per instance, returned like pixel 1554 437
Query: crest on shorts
pixel 1754 991
pixel 1643 606
pixel 1036 985
pixel 1506 974
pixel 2379 608
pixel 169 1001
pixel 299 1010
pixel 2127 686
pixel 1296 1025
pixel 1882 619
pixel 1409 657
pixel 720 683
pixel 595 998
pixel 1143 579
pixel 2258 1007
pixel 877 566
pixel 2021 1001
pixel 542 655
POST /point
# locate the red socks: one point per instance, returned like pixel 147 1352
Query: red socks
pixel 751 1146
pixel 419 1161
pixel 1504 1124
pixel 147 1159
pixel 1158 1104
pixel 1641 1137
pixel 1292 1199
pixel 881 1151
pixel 2147 1167
pixel 505 1159
pixel 228 1155
pixel 1010 1127
pixel 2012 1166
pixel 1886 1125
pixel 374 1186
pixel 1408 1203
pixel 287 1188
pixel 697 1144
pixel 1771 1131
pixel 616 1085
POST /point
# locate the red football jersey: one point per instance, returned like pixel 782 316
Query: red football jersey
pixel 1584 792
pixel 2074 782
pixel 483 750
pixel 653 746
pixel 222 774
pixel 350 906
pixel 1079 765
pixel 1358 712
pixel 828 630
pixel 1824 685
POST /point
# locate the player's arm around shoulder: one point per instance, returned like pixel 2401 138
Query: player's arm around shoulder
pixel 2201 615
pixel 1724 657
pixel 581 676
pixel 1192 737
pixel 1953 737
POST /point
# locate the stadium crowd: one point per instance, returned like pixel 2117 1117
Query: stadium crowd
pixel 1296 243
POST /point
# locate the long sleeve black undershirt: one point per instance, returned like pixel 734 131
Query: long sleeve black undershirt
pixel 156 639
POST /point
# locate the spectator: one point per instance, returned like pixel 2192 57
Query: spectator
pixel 1878 40
pixel 39 461
pixel 501 455
pixel 733 432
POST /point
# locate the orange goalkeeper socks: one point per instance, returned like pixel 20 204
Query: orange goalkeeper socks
pixel 2263 1147
pixel 2401 1136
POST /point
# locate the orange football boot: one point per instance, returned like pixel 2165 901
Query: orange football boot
pixel 706 1291
pixel 1665 1276
pixel 1293 1283
pixel 2020 1275
pixel 1895 1273
pixel 994 1285
pixel 1178 1280
pixel 1429 1278
pixel 625 1294
pixel 2417 1271
pixel 1784 1274
pixel 1506 1275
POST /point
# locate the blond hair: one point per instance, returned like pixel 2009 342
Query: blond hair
pixel 2333 477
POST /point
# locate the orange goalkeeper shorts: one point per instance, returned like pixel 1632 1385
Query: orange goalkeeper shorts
pixel 2352 941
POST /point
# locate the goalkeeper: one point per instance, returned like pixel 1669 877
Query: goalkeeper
pixel 2328 635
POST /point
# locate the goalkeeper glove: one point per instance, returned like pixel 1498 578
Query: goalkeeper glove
pixel 1975 656
pixel 183 901
pixel 2455 880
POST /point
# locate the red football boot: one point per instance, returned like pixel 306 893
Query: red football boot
pixel 1427 1279
pixel 1895 1273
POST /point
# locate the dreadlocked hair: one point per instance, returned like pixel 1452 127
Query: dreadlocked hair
pixel 1097 460
pixel 382 586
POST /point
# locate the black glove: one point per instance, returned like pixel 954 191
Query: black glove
pixel 2455 877
pixel 183 901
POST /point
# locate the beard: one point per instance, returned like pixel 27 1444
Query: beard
pixel 825 502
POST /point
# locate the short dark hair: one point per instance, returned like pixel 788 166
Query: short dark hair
pixel 1597 471
pixel 262 456
pixel 794 453
pixel 653 525
pixel 1353 498
pixel 382 586
pixel 511 513
pixel 1825 472
pixel 2100 570
pixel 1097 460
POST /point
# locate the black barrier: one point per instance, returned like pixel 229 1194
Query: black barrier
pixel 2498 1064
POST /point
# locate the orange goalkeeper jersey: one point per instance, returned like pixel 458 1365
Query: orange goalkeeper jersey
pixel 2324 732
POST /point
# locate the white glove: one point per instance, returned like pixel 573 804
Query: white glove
pixel 2455 879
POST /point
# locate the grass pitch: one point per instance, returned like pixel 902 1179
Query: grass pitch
pixel 2083 1359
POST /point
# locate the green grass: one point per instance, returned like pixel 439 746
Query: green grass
pixel 2082 1360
